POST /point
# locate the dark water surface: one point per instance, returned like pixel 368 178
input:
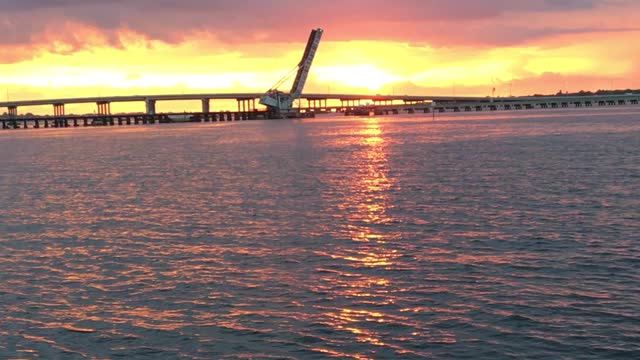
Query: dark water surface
pixel 493 236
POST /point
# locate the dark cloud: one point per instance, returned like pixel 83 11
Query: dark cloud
pixel 245 21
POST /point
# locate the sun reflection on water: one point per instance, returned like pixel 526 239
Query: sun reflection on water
pixel 370 252
pixel 369 185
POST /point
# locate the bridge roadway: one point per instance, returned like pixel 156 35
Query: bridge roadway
pixel 247 102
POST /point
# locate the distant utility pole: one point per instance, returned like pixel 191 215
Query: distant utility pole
pixel 433 110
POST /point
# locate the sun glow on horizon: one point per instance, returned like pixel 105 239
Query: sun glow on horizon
pixel 201 63
pixel 356 76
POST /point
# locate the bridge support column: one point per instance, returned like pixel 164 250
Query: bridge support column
pixel 318 104
pixel 206 103
pixel 104 108
pixel 58 110
pixel 246 105
pixel 12 111
pixel 150 105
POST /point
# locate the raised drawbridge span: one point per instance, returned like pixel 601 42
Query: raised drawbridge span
pixel 279 103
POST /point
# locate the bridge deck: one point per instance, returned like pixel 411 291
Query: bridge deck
pixel 337 97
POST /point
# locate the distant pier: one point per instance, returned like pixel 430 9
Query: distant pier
pixel 441 105
pixel 66 121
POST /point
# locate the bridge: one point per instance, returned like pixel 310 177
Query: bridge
pixel 278 104
pixel 247 102
pixel 308 105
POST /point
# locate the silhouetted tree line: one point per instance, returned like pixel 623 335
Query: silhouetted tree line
pixel 599 92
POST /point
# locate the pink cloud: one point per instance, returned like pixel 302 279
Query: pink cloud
pixel 241 21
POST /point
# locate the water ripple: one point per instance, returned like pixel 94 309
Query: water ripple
pixel 465 237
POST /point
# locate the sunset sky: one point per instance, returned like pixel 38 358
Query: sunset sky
pixel 60 48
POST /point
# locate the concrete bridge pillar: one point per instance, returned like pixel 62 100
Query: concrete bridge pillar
pixel 206 103
pixel 104 108
pixel 150 105
pixel 12 111
pixel 58 110
pixel 246 105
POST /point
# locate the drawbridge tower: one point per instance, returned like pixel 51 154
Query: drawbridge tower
pixel 280 104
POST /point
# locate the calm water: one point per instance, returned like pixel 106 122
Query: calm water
pixel 492 236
